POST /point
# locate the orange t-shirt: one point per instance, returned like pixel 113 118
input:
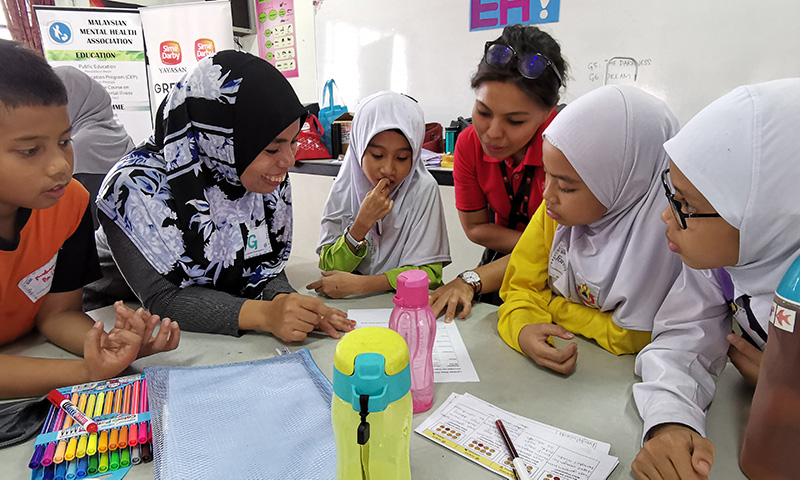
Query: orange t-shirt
pixel 26 273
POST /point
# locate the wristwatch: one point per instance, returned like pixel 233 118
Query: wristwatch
pixel 355 243
pixel 472 279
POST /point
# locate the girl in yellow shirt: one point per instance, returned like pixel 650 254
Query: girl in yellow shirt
pixel 593 260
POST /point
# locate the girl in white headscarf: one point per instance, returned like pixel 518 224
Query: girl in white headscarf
pixel 384 213
pixel 732 183
pixel 604 271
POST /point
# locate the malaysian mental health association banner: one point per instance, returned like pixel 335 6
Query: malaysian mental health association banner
pixel 179 36
pixel 107 45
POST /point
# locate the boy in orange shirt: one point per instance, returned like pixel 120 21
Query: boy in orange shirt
pixel 47 249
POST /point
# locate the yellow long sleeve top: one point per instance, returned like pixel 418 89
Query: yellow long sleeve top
pixel 527 298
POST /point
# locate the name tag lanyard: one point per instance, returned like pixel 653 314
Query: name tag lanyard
pixel 521 198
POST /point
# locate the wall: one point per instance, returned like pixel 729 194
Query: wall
pixel 689 52
pixel 305 85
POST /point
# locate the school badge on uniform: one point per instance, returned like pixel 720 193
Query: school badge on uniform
pixel 588 297
pixel 782 317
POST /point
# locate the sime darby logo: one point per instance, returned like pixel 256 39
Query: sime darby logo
pixel 203 47
pixel 170 52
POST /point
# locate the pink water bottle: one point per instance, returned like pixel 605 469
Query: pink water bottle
pixel 413 319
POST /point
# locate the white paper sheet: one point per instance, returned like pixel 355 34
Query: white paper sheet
pixel 466 425
pixel 451 361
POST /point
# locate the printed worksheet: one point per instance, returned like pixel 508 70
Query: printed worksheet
pixel 451 361
pixel 466 425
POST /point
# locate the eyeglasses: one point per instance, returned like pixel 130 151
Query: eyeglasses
pixel 530 65
pixel 675 205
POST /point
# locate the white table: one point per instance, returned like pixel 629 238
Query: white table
pixel 595 401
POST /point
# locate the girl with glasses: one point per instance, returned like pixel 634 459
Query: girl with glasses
pixel 733 206
pixel 497 172
pixel 586 263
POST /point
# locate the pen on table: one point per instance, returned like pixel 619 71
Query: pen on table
pixel 65 404
pixel 519 465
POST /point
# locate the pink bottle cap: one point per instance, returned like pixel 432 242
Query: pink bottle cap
pixel 412 289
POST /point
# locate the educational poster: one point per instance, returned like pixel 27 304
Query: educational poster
pixel 276 37
pixel 107 45
pixel 488 14
pixel 179 36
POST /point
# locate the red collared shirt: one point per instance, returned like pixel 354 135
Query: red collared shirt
pixel 478 181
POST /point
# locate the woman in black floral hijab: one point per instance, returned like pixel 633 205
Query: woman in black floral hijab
pixel 206 203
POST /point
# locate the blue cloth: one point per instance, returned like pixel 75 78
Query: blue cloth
pixel 265 419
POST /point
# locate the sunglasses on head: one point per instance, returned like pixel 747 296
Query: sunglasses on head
pixel 529 65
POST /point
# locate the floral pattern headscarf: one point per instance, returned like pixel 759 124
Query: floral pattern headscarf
pixel 179 197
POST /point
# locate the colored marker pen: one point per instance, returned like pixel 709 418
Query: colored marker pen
pixel 82 467
pixel 102 441
pixel 93 464
pixel 143 407
pixel 38 452
pixel 50 450
pixel 91 448
pixel 113 436
pixel 103 466
pixel 61 449
pixel 63 402
pixel 133 430
pixel 146 452
pixel 60 473
pixel 136 456
pixel 125 457
pixel 126 409
pixel 113 461
pixel 72 470
pixel 49 472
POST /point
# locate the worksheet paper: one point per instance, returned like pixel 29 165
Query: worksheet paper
pixel 451 362
pixel 466 425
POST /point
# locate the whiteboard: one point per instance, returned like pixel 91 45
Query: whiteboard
pixel 688 52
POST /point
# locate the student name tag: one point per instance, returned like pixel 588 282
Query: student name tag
pixel 37 284
pixel 557 269
pixel 257 242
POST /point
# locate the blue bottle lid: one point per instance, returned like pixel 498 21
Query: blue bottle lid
pixel 789 288
pixel 371 361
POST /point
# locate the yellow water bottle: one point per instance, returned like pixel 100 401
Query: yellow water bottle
pixel 372 406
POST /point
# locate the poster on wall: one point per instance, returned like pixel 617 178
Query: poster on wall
pixel 107 45
pixel 488 14
pixel 179 36
pixel 276 38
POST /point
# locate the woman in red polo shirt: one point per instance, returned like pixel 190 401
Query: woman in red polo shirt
pixel 498 171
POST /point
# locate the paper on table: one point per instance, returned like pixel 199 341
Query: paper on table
pixel 451 361
pixel 466 425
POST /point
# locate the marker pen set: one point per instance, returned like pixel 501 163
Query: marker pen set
pixel 93 429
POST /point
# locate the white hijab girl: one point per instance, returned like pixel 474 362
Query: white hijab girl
pixel 613 139
pixel 741 153
pixel 414 233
